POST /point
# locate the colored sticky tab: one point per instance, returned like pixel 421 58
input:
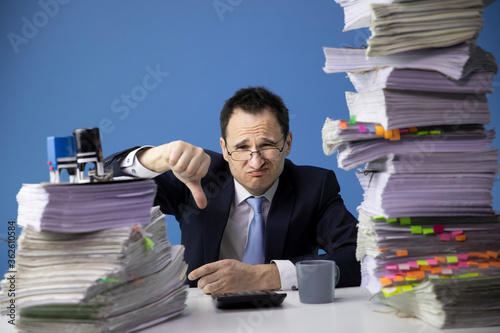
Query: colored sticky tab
pixel 404 130
pixel 405 220
pixel 473 263
pixel 342 124
pixel 399 278
pixel 392 267
pixel 436 270
pixel 391 220
pixel 423 133
pixel 484 265
pixel 109 280
pixel 495 263
pixel 461 238
pixel 149 243
pixel 421 262
pixel 432 262
pixel 404 267
pixel 391 291
pixel 463 264
pixel 395 135
pixel 416 229
pixel 413 129
pixel 361 128
pixel 402 253
pixel 406 288
pixel 428 231
pixel 383 249
pixel 370 129
pixel 440 259
pixel 451 259
pixel 438 228
pixel 388 134
pixel 445 237
pixel 416 275
pixel 426 267
pixel 463 256
pixel 413 264
pixel 385 281
pixel 492 254
pixel 379 130
pixel 446 271
pixel 453 267
pixel 352 120
pixel 435 132
pixel 455 233
pixel 380 217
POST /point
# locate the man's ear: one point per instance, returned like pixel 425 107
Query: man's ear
pixel 288 143
pixel 223 148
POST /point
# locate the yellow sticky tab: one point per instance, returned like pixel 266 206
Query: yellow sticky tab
pixel 388 134
pixel 428 231
pixel 379 130
pixel 422 262
pixel 378 217
pixel 451 259
pixel 406 288
pixel 416 229
pixel 435 132
pixel 391 291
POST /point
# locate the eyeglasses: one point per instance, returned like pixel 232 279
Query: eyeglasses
pixel 265 153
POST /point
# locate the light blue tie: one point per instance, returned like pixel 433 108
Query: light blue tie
pixel 255 251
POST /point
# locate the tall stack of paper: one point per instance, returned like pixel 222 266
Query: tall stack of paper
pixel 94 272
pixel 428 238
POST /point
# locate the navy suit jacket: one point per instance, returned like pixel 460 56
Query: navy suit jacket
pixel 307 214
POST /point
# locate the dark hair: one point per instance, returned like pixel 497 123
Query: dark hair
pixel 254 100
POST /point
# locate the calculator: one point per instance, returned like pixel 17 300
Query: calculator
pixel 248 299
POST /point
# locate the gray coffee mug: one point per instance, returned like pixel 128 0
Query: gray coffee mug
pixel 317 280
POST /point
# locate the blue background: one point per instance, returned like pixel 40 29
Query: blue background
pixel 75 67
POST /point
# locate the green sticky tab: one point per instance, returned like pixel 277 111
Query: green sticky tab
pixel 436 132
pixel 443 277
pixel 423 133
pixel 109 280
pixel 149 243
pixel 392 220
pixel 422 262
pixel 352 120
pixel 428 231
pixel 416 229
pixel 405 220
pixel 452 259
pixel 378 217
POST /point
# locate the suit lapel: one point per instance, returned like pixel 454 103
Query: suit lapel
pixel 279 218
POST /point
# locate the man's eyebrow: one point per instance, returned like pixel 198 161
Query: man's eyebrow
pixel 244 142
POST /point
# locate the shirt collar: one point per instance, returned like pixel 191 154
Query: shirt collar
pixel 241 194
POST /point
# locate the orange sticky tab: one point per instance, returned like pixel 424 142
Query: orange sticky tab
pixel 484 265
pixel 436 270
pixel 383 249
pixel 399 278
pixel 461 238
pixel 385 281
pixel 342 124
pixel 473 263
pixel 440 259
pixel 483 255
pixel 495 263
pixel 492 254
pixel 425 267
pixel 413 129
pixel 416 275
pixel 388 134
pixel 395 135
pixel 379 130
pixel 402 253
pixel 474 254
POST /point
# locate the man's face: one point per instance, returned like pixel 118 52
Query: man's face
pixel 254 132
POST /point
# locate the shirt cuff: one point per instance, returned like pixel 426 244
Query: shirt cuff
pixel 131 165
pixel 288 274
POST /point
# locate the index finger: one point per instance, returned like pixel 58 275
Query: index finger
pixel 202 271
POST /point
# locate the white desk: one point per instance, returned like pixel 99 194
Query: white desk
pixel 352 312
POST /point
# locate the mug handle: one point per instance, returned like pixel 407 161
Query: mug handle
pixel 337 274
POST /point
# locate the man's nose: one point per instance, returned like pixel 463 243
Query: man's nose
pixel 256 161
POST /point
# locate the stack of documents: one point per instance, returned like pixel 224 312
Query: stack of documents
pixel 89 260
pixel 428 236
pixel 71 207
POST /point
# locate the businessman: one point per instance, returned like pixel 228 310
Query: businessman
pixel 248 214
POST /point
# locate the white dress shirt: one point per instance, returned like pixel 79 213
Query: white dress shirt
pixel 234 239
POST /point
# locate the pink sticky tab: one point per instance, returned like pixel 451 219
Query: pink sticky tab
pixel 413 264
pixel 392 267
pixel 438 228
pixel 445 237
pixel 404 130
pixel 463 264
pixel 454 233
pixel 432 261
pixel 453 267
pixel 392 276
pixel 362 128
pixel 462 256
